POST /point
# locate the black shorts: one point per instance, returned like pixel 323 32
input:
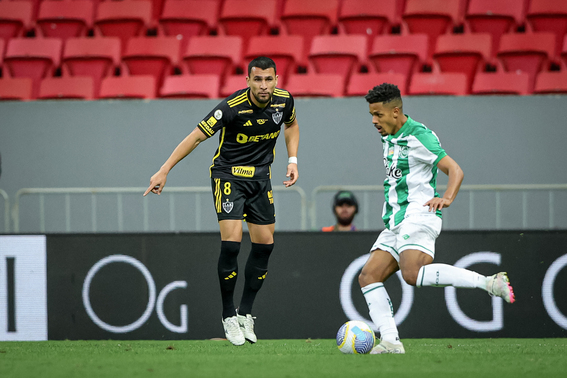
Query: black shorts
pixel 252 201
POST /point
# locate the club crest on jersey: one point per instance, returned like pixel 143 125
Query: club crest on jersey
pixel 277 117
pixel 218 114
pixel 404 152
pixel 228 206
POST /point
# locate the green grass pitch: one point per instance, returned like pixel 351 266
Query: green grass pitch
pixel 460 358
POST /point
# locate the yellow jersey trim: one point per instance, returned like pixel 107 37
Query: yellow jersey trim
pixel 218 151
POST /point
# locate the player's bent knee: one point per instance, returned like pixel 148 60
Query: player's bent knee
pixel 410 276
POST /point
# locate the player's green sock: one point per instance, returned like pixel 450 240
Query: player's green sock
pixel 381 311
pixel 439 275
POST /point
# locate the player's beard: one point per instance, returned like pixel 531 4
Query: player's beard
pixel 345 221
pixel 260 100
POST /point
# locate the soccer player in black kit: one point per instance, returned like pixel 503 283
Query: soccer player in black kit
pixel 249 122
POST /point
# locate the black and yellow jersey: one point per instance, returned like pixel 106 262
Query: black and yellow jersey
pixel 248 134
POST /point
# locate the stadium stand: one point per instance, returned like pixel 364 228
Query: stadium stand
pixel 33 58
pixel 16 89
pixel 365 18
pixel 551 83
pixel 123 19
pixel 530 53
pixel 285 50
pixel 212 55
pixel 501 83
pixel 361 83
pixel 93 57
pixel 316 85
pixel 431 17
pixel 128 87
pixel 15 18
pixel 156 56
pixel 438 84
pixel 65 19
pixel 191 86
pixel 341 54
pixel 549 16
pixel 495 17
pixel 233 83
pixel 403 54
pixel 465 53
pixel 309 19
pixel 247 18
pixel 188 18
pixel 66 88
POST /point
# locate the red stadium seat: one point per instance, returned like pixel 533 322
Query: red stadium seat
pixel 94 57
pixel 403 54
pixel 309 19
pixel 191 86
pixel 551 83
pixel 501 83
pixel 530 52
pixel 364 17
pixel 66 88
pixel 15 18
pixel 247 18
pixel 123 19
pixel 495 17
pixel 33 58
pixel 65 19
pixel 16 89
pixel 361 83
pixel 128 87
pixel 188 18
pixel 465 53
pixel 431 17
pixel 564 53
pixel 439 84
pixel 315 85
pixel 340 54
pixel 213 55
pixel 234 83
pixel 549 16
pixel 285 50
pixel 156 56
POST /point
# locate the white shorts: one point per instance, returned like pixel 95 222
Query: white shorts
pixel 417 231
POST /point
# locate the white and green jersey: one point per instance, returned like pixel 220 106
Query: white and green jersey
pixel 410 158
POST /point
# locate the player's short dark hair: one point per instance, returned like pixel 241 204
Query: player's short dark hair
pixel 384 92
pixel 262 63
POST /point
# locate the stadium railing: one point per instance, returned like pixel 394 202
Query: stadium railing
pixel 120 205
pixel 6 205
pixel 477 206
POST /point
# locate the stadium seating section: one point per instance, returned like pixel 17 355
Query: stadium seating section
pixel 160 49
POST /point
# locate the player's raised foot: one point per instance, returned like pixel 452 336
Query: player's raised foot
pixel 232 331
pixel 499 286
pixel 247 326
pixel 388 347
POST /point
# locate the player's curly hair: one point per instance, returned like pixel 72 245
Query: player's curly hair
pixel 384 92
pixel 262 63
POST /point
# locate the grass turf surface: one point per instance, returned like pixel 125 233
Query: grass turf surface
pixel 282 358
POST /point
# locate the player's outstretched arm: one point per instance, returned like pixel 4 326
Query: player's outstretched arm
pixel 291 133
pixel 157 181
pixel 456 175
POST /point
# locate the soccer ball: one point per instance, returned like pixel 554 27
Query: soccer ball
pixel 355 337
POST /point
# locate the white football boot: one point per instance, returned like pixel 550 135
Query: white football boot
pixel 232 331
pixel 499 286
pixel 247 326
pixel 387 347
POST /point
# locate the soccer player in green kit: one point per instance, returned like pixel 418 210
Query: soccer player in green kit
pixel 412 155
pixel 249 122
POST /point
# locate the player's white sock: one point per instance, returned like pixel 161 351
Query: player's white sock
pixel 381 311
pixel 439 275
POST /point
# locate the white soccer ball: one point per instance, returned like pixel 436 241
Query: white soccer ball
pixel 355 337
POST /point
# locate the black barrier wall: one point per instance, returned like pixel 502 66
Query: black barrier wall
pixel 164 286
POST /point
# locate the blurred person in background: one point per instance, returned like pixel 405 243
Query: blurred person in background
pixel 345 208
